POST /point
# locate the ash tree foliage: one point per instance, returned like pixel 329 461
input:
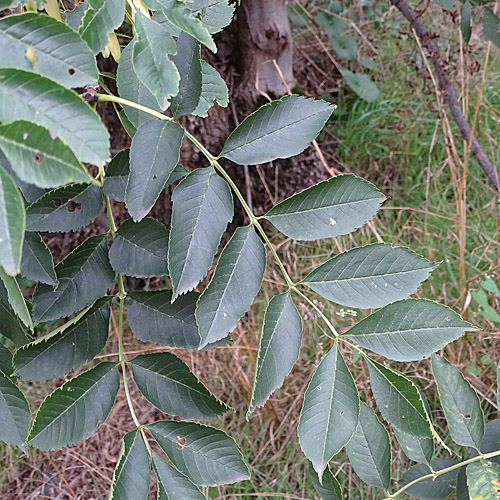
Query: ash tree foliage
pixel 56 175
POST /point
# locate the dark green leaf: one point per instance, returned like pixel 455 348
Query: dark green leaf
pixel 491 27
pixel 10 325
pixel 153 318
pixel 172 484
pixel 60 53
pixel 234 285
pixel 64 209
pixel 132 89
pixel 153 156
pixel 369 450
pixel 329 488
pixel 16 299
pixel 28 96
pixel 37 263
pixel 345 47
pixel 331 208
pixel 330 411
pixel 84 276
pixel 5 361
pixel 206 455
pixel 409 330
pixel 12 224
pixel 74 17
pixel 213 88
pixel 483 480
pixel 115 181
pixel 133 470
pixel 57 355
pixel 280 129
pixel 187 61
pixel 150 59
pixel 420 450
pixel 460 404
pixel 462 488
pixel 14 413
pixel 214 14
pixel 77 409
pixel 466 22
pixel 279 348
pixel 491 439
pixel 361 84
pixel 399 400
pixel 334 25
pixel 168 383
pixel 448 5
pixel 202 208
pixel 431 489
pixel 370 276
pixel 37 158
pixel 140 249
pixel 102 17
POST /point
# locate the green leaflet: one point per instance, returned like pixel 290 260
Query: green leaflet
pixel 466 22
pixel 59 354
pixel 154 318
pixel 151 62
pixel 16 301
pixel 329 487
pixel 409 330
pixel 420 450
pixel 361 84
pixel 328 209
pixel 188 63
pixel 371 276
pixel 369 450
pixel 330 411
pixel 483 480
pixel 14 413
pixel 115 181
pixel 168 383
pixel 27 96
pixel 102 17
pixel 132 89
pixel 75 410
pixel 12 224
pixel 280 129
pixel 84 276
pixel 202 208
pixel 133 470
pixel 214 14
pixel 5 361
pixel 154 155
pixel 213 88
pixel 345 46
pixel 181 16
pixel 208 456
pixel 172 484
pixel 399 400
pixel 460 404
pixel 279 348
pixel 140 249
pixel 11 326
pixel 64 209
pixel 37 263
pixel 60 53
pixel 234 285
pixel 39 159
pixel 491 23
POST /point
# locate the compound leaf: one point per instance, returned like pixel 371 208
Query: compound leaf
pixel 154 154
pixel 168 383
pixel 133 471
pixel 84 276
pixel 208 456
pixel 75 410
pixel 151 62
pixel 12 224
pixel 409 330
pixel 331 208
pixel 28 96
pixel 213 88
pixel 370 276
pixel 279 348
pixel 16 301
pixel 330 411
pixel 140 249
pixel 280 129
pixel 60 53
pixel 14 413
pixel 234 285
pixel 37 263
pixel 460 403
pixel 202 208
pixel 57 355
pixel 329 487
pixel 369 450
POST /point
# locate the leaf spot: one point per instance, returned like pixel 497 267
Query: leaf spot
pixel 181 442
pixel 395 284
pixel 318 388
pixel 25 136
pixel 466 416
pixel 71 71
pixel 332 222
pixel 154 177
pixel 224 314
pixel 38 158
pixel 448 318
pixel 341 412
pixel 71 206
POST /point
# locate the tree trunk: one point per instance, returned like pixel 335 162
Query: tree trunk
pixel 264 35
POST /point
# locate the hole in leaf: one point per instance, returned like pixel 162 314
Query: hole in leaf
pixel 71 206
pixel 466 416
pixel 38 158
pixel 154 177
pixel 341 412
pixel 71 71
pixel 318 388
pixel 181 442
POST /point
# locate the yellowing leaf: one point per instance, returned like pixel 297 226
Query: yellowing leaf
pixel 52 9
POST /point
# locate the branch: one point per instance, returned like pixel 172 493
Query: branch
pixel 446 85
